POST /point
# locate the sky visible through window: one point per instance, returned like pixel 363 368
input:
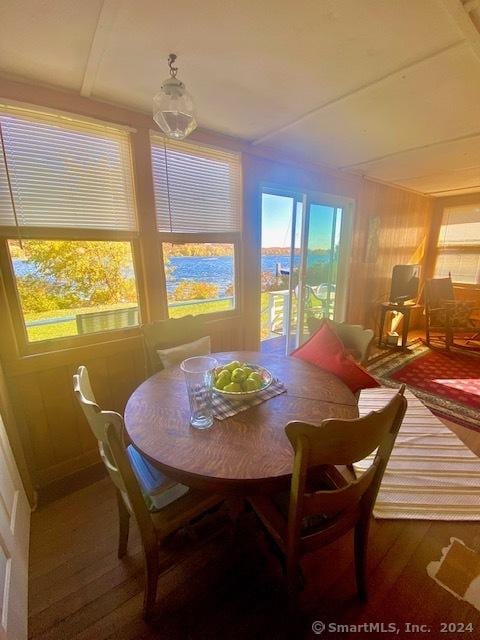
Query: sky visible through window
pixel 277 223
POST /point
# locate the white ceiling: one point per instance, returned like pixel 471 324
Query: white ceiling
pixel 384 88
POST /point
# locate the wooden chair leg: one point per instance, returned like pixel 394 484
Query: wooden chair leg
pixel 361 545
pixel 123 525
pixel 292 591
pixel 295 582
pixel 448 339
pixel 151 582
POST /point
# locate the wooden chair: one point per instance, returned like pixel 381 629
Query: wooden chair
pixel 179 505
pixel 323 504
pixel 170 333
pixel 355 338
pixel 447 316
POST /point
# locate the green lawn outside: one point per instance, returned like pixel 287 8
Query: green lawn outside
pixel 65 329
pixel 200 307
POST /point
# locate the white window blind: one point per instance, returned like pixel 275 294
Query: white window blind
pixel 204 187
pixel 65 173
pixel 459 244
pixel 460 226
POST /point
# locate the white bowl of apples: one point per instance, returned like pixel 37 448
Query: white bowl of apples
pixel 237 380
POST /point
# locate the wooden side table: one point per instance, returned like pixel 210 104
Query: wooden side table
pixel 405 310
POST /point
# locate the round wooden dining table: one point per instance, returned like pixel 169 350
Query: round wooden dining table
pixel 246 453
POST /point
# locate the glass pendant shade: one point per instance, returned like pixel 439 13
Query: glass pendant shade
pixel 173 110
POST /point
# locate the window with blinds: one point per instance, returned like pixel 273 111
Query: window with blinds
pixel 198 189
pixel 64 173
pixel 459 245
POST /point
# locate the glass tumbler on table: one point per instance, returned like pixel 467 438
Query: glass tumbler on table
pixel 199 372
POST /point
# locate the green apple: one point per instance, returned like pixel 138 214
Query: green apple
pixel 238 375
pixel 220 383
pixel 247 371
pixel 233 386
pixel 251 385
pixel 235 364
pixel 225 376
pixel 257 377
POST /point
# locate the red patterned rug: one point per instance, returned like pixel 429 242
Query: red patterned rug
pixel 447 382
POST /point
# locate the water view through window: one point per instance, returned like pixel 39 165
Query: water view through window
pixel 200 277
pixel 300 257
pixel 73 287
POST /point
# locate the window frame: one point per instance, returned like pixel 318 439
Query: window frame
pixel 232 237
pixel 146 246
pixel 195 237
pixel 25 347
pixel 442 249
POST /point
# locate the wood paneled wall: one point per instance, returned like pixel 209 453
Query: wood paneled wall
pixel 56 439
pixel 405 219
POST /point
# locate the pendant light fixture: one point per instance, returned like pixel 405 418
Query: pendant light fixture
pixel 173 108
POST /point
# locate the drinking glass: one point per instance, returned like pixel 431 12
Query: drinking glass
pixel 199 372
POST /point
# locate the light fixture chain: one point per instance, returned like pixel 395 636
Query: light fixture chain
pixel 171 61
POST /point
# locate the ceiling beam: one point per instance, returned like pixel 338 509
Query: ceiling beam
pixel 466 17
pixel 99 44
pixel 469 189
pixel 360 88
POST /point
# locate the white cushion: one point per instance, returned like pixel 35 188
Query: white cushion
pixel 175 355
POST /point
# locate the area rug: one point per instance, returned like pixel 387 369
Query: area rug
pixel 431 474
pixel 448 383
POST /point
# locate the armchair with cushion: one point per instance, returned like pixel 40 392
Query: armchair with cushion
pixel 356 340
pixel 447 316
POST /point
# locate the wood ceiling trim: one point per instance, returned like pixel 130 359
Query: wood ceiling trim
pixel 474 189
pixel 460 12
pixel 106 19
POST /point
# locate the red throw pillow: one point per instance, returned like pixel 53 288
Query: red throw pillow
pixel 325 350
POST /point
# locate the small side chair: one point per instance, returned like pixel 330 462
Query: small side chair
pixel 159 506
pixel 323 504
pixel 447 317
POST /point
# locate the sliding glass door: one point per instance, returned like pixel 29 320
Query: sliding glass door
pixel 306 241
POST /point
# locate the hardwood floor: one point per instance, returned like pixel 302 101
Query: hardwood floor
pixel 79 589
